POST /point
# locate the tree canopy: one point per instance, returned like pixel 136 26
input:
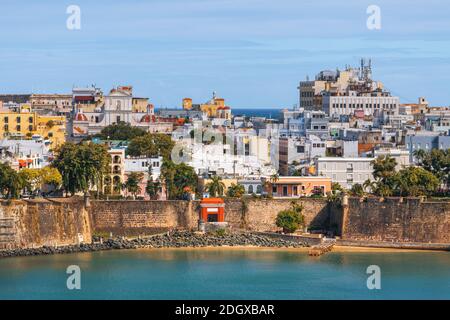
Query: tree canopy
pixel 215 187
pixel 120 131
pixel 235 191
pixel 36 179
pixel 292 219
pixel 81 165
pixel 11 183
pixel 151 145
pixel 133 181
pixel 179 179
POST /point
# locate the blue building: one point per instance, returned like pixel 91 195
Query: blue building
pixel 426 142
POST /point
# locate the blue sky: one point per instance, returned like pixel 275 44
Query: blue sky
pixel 253 53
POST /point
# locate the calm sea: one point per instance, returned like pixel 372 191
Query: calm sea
pixel 272 113
pixel 227 274
pixel 255 112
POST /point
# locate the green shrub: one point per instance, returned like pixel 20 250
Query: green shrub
pixel 290 220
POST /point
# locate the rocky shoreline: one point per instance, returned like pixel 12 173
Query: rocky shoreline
pixel 178 239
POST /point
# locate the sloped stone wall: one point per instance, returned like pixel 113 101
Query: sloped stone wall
pixel 36 223
pixel 397 220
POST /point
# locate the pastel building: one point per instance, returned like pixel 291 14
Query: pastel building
pixel 142 165
pixel 26 124
pixel 345 171
pixel 214 108
pixel 118 106
pixel 295 187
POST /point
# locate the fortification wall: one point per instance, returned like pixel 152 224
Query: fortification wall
pixel 36 223
pixel 130 218
pixel 397 220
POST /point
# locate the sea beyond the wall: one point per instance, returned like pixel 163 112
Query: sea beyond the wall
pixel 270 113
pixel 225 273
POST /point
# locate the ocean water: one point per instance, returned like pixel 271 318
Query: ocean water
pixel 258 112
pixel 273 113
pixel 237 274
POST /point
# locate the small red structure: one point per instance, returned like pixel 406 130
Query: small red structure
pixel 212 210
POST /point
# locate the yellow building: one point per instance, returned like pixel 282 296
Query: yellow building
pixel 140 104
pixel 26 124
pixel 214 108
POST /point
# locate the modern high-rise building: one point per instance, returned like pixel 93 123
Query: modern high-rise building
pixel 344 92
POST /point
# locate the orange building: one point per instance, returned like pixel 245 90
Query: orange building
pixel 295 187
pixel 212 210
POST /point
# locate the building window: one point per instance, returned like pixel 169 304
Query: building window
pixel 18 119
pixel 30 119
pixel 274 189
pixel 250 189
pixel 259 189
pixel 295 190
pixel 30 128
pixel 6 119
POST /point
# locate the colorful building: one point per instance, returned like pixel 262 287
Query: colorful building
pixel 31 125
pixel 295 187
pixel 214 108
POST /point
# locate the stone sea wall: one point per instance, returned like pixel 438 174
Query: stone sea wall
pixel 128 218
pixel 260 214
pixel 144 217
pixel 67 221
pixel 397 220
pixel 36 223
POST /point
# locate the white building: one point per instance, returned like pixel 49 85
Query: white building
pixel 402 157
pixel 345 171
pixel 143 164
pixel 348 104
pixel 24 153
pixel 116 107
pixel 220 160
pixel 299 149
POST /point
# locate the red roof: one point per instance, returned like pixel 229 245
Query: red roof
pixel 84 98
pixel 81 117
pixel 212 200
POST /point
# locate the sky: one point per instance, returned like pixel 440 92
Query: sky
pixel 253 53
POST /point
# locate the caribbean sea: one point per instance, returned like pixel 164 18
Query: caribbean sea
pixel 222 273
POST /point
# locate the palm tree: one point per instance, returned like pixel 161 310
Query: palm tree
pixel 215 187
pixel 132 183
pixel 357 190
pixel 384 168
pixel 274 178
pixel 419 154
pixel 369 186
pixel 236 191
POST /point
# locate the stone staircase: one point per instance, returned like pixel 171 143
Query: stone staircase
pixel 326 246
pixel 7 232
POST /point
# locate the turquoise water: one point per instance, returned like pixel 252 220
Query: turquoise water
pixel 227 274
